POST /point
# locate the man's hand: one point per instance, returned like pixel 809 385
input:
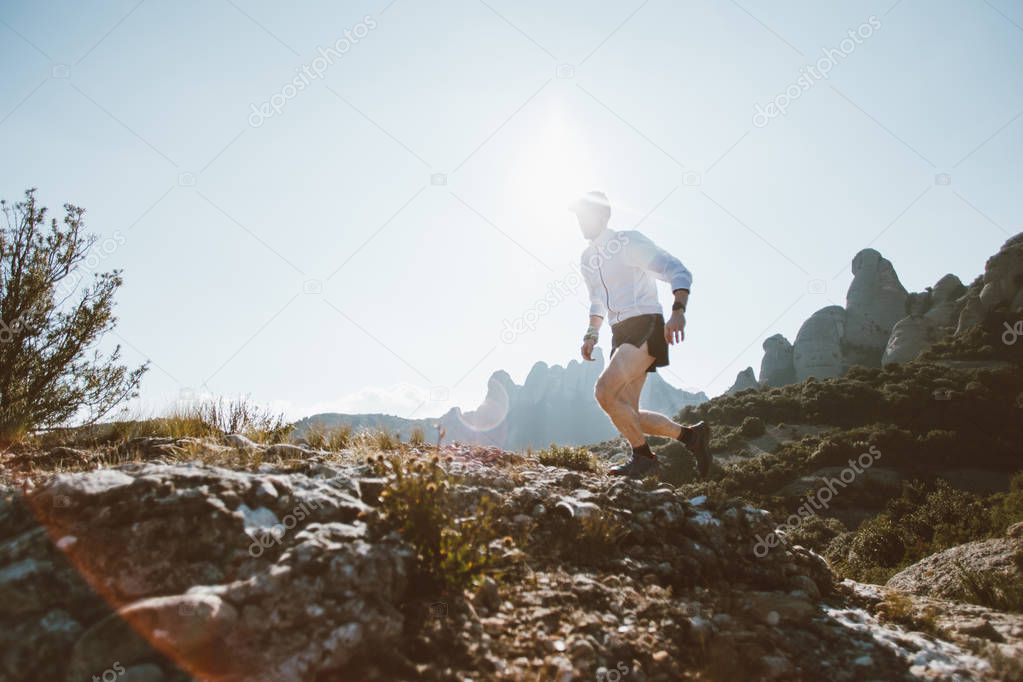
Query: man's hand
pixel 587 349
pixel 675 329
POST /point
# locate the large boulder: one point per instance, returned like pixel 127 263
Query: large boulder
pixel 206 566
pixel 776 368
pixel 910 337
pixel 817 351
pixel 876 300
pixel 946 574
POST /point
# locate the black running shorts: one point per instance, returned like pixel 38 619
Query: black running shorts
pixel 642 329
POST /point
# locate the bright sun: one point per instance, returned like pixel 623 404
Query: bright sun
pixel 551 170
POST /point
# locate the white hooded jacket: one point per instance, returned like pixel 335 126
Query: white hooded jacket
pixel 620 267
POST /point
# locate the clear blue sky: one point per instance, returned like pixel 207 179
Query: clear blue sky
pixel 310 262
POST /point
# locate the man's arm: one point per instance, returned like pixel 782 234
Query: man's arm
pixel 643 253
pixel 675 327
pixel 592 334
pixel 598 309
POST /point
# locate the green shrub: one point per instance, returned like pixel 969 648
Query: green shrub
pixel 55 315
pixel 816 532
pixel 994 589
pixel 598 537
pixel 451 551
pixel 752 427
pixel 924 519
pixel 575 458
pixel 878 542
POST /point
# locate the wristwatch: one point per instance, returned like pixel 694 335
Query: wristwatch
pixel 677 305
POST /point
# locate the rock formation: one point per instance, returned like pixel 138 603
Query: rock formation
pixel 1003 277
pixel 875 302
pixel 743 380
pixel 882 323
pixel 554 404
pixel 946 302
pixel 777 368
pixel 817 351
pixel 911 336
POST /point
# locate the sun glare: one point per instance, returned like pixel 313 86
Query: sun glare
pixel 550 171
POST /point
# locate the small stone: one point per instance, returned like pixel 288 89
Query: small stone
pixel 487 595
pixel 776 667
pixel 492 626
pixel 864 661
pixel 237 440
pixel 582 650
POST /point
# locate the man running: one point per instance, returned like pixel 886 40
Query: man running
pixel 619 269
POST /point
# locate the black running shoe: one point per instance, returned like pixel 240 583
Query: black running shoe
pixel 638 467
pixel 698 440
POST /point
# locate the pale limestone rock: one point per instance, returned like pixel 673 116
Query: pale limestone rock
pixel 910 337
pixel 945 301
pixel 1003 275
pixel 875 302
pixel 743 380
pixel 776 368
pixel 817 351
pixel 972 314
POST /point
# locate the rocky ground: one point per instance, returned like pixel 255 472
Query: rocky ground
pixel 149 562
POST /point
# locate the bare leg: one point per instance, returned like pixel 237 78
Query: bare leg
pixel 627 367
pixel 652 423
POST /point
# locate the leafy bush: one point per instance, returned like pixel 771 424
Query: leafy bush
pixel 566 457
pixel 50 318
pixel 752 427
pixel 923 520
pixel 598 537
pixel 994 589
pixel 816 532
pixel 451 552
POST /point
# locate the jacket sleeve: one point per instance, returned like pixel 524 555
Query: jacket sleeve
pixel 598 305
pixel 643 253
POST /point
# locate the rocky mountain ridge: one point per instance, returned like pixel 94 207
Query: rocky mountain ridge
pixel 883 323
pixel 554 404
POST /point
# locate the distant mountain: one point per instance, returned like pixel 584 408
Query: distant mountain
pixel 555 404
